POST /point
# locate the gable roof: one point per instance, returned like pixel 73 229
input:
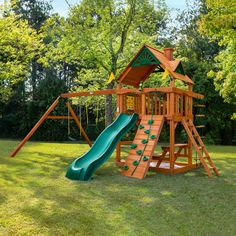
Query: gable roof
pixel 145 62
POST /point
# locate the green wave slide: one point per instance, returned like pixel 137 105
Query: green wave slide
pixel 83 168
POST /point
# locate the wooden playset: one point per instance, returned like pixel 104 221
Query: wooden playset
pixel 155 106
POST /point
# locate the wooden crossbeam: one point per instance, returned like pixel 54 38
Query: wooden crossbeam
pixel 60 117
pixel 92 93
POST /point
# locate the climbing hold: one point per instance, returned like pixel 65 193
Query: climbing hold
pixel 145 158
pixel 135 163
pixel 144 141
pixel 133 146
pixel 125 167
pixel 141 126
pixel 147 131
pixel 153 136
pixel 150 122
pixel 139 152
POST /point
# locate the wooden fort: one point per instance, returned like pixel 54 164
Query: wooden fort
pixel 169 105
pixel 155 106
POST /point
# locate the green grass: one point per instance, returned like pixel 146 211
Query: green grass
pixel 36 198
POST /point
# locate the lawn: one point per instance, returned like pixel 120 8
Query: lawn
pixel 36 198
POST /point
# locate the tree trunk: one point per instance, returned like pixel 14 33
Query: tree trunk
pixel 33 76
pixel 109 108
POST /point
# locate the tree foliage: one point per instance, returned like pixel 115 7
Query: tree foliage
pixel 43 55
pixel 18 45
pixel 220 23
pixel 102 35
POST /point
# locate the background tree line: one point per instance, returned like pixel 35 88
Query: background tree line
pixel 43 55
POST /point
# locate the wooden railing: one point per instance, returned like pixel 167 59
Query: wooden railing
pixel 162 101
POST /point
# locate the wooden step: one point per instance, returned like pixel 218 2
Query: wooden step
pixel 200 115
pixel 200 126
pixel 199 105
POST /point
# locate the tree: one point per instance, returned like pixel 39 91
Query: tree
pixel 102 35
pixel 18 45
pixel 220 23
pixel 35 12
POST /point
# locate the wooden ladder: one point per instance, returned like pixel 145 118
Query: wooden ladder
pixel 139 171
pixel 199 145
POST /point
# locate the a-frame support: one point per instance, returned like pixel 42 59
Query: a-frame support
pixel 43 118
pixel 32 131
pixel 78 124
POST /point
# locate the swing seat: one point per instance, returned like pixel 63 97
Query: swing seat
pixel 72 139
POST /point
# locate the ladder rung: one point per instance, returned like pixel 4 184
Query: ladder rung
pixel 211 167
pixel 200 126
pixel 202 137
pixel 200 105
pixel 199 115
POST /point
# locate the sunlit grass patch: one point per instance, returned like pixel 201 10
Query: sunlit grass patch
pixel 37 199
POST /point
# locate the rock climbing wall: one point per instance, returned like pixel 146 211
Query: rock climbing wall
pixel 143 146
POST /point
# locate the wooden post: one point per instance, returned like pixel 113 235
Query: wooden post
pixel 118 152
pixel 191 100
pixel 118 98
pixel 143 101
pixel 172 133
pixel 32 131
pixel 78 124
pixel 190 113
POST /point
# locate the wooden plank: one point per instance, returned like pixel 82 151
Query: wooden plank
pixel 172 147
pixel 36 126
pixel 187 92
pixel 176 145
pixel 149 90
pixel 125 142
pixel 60 117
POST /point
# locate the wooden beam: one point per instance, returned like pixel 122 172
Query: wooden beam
pixel 122 77
pixel 172 147
pixel 32 131
pixel 118 152
pixel 59 117
pixel 92 93
pixel 189 93
pixel 78 124
pixel 143 102
pixel 164 90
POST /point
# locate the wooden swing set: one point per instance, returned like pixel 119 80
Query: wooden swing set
pixel 170 105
